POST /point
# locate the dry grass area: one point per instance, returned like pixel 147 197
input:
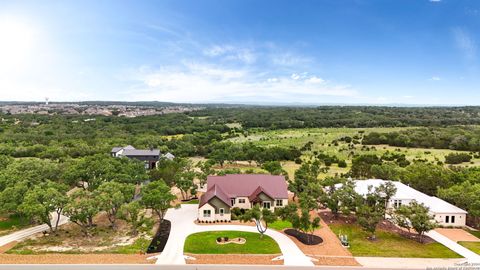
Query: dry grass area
pixel 233 259
pixel 70 239
pixel 76 259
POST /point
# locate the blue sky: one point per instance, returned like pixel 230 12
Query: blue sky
pixel 358 52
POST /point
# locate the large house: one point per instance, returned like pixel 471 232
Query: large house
pixel 242 191
pixel 150 156
pixel 444 213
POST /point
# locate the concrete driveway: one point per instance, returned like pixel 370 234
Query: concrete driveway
pixel 183 225
pixel 471 256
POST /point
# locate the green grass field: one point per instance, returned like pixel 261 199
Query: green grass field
pixel 280 225
pixel 10 223
pixel 473 246
pixel 476 233
pixel 322 142
pixel 205 243
pixel 389 244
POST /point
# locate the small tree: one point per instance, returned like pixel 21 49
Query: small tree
pixel 307 174
pixel 39 204
pixel 339 198
pixel 111 196
pixel 420 219
pixel 307 225
pixel 386 191
pixel 206 170
pixel 157 197
pixel 133 213
pixel 81 209
pixel 371 212
pixel 184 182
pixel 401 217
pixel 301 221
pixel 258 216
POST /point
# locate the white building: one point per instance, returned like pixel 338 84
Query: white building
pixel 444 213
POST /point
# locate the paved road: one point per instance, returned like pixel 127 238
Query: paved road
pixel 22 234
pixel 471 256
pixel 182 226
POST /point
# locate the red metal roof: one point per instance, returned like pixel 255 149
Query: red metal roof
pixel 231 186
pixel 243 185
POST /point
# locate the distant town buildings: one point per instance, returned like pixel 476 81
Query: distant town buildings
pixel 96 109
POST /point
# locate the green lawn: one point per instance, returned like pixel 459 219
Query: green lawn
pixel 476 233
pixel 473 246
pixel 389 244
pixel 280 225
pixel 12 223
pixel 195 201
pixel 205 243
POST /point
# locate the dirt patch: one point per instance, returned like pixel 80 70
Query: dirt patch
pixel 8 246
pixel 233 259
pixel 76 259
pixel 334 261
pixel 457 235
pixel 70 239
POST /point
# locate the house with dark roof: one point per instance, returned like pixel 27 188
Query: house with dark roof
pixel 150 156
pixel 242 191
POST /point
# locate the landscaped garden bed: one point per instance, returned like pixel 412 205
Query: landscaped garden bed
pixel 306 239
pixel 206 243
pixel 160 239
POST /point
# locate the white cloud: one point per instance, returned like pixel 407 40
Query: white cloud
pixel 315 79
pixel 435 78
pixel 203 83
pixel 288 59
pixel 229 52
pixel 435 1
pixel 465 42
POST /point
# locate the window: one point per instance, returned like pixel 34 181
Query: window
pixel 447 219
pixel 232 201
pixel 241 200
pixel 222 211
pixel 397 203
pixel 279 202
pixel 266 205
pixel 207 213
pixel 453 219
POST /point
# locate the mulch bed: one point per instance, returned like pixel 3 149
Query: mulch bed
pixel 160 240
pixel 385 225
pixel 306 239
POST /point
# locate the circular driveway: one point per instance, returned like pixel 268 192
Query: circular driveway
pixel 183 225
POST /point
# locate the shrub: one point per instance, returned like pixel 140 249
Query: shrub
pixel 342 164
pixel 457 158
